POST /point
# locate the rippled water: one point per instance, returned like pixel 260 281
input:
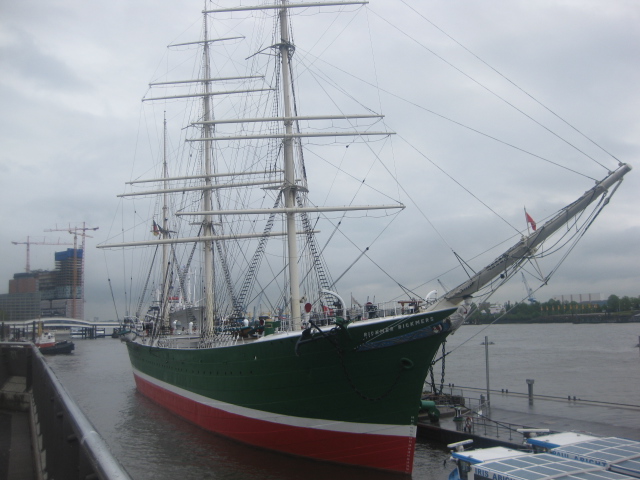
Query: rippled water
pixel 597 362
pixel 594 362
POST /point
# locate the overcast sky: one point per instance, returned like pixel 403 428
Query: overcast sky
pixel 72 74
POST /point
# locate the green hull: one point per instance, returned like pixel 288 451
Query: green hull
pixel 362 379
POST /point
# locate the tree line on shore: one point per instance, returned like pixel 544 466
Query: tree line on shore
pixel 620 306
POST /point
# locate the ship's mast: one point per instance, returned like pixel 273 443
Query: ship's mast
pixel 206 194
pixel 165 233
pixel 289 187
pixel 289 171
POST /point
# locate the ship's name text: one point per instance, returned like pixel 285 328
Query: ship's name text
pixel 400 326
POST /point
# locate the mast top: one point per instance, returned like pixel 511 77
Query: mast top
pixel 280 6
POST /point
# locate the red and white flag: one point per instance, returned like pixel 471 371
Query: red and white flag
pixel 530 220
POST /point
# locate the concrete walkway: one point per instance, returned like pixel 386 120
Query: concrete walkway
pixel 16 456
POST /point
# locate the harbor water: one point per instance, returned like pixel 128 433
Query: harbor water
pixel 596 362
pixel 591 362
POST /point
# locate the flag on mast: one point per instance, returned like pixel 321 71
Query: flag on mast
pixel 157 230
pixel 530 220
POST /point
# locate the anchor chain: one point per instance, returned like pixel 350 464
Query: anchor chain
pixel 438 391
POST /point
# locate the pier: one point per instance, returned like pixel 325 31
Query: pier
pixel 43 433
pixel 497 424
pixel 26 328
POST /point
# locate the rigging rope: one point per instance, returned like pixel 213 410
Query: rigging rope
pixel 581 230
pixel 490 91
pixel 516 85
pixel 181 275
pixel 146 284
pixel 113 299
pixel 455 122
pixel 254 264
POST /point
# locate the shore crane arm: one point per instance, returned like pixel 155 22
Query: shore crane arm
pixel 530 296
pixel 30 242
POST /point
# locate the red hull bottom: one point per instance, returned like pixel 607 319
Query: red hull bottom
pixel 383 452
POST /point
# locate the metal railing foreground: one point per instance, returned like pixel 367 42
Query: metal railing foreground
pixel 65 443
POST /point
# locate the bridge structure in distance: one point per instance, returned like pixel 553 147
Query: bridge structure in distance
pixel 87 327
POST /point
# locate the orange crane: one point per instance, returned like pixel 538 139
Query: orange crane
pixel 82 232
pixel 30 242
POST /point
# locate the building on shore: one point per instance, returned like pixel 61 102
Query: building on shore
pixel 47 293
pixel 580 298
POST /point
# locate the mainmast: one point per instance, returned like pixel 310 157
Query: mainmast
pixel 289 188
pixel 206 194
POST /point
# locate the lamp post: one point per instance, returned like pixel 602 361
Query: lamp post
pixel 486 354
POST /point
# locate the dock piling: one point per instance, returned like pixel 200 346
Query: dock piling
pixel 530 383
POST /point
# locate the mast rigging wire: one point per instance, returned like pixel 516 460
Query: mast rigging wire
pixel 491 91
pixel 455 122
pixel 514 84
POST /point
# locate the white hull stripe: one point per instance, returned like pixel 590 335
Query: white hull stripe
pixel 321 424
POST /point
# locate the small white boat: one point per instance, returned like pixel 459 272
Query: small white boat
pixel 565 455
pixel 619 455
pixel 47 344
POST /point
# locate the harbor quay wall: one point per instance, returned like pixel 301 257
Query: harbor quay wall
pixel 64 444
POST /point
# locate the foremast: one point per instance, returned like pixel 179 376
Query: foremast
pixel 527 245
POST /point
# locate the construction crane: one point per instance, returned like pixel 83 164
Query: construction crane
pixel 530 296
pixel 82 232
pixel 30 242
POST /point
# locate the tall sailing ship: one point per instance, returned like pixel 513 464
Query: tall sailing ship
pixel 301 372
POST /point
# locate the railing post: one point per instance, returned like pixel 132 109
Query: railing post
pixel 29 376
